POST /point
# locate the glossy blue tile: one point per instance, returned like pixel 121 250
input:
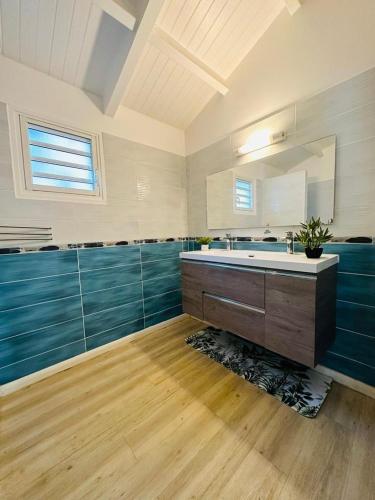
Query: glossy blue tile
pixel 355 346
pixel 96 258
pixel 37 264
pixel 193 245
pixel 28 366
pixel 163 316
pixel 350 367
pixel 218 244
pixel 261 246
pixel 112 297
pixel 111 318
pixel 161 302
pixel 17 348
pixel 355 317
pixel 28 292
pixel 354 257
pixel 114 334
pixel 26 319
pixel 161 285
pixel 161 268
pixel 91 281
pixel 158 251
pixel 356 288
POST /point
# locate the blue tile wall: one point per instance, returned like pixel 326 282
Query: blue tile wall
pixel 55 305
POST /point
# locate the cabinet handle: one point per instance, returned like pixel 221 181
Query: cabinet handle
pixel 292 275
pixel 234 302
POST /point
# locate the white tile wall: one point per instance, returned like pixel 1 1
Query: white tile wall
pixel 146 196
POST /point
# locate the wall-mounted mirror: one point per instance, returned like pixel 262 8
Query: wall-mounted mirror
pixel 282 189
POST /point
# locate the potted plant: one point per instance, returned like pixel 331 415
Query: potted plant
pixel 204 241
pixel 312 236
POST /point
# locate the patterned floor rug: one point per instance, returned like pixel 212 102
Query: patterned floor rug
pixel 299 387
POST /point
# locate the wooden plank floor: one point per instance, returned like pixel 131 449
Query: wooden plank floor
pixel 156 419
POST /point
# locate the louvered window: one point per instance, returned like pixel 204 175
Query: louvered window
pixel 243 196
pixel 60 160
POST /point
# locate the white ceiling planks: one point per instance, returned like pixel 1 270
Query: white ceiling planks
pixel 47 35
pixel 209 38
pixel 178 56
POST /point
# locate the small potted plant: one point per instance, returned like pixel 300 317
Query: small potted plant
pixel 312 236
pixel 204 241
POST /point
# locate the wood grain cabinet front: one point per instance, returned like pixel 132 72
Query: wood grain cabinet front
pixel 292 314
pixel 243 320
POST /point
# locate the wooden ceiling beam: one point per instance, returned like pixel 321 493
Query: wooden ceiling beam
pixel 171 48
pixel 293 6
pixel 119 10
pixel 117 86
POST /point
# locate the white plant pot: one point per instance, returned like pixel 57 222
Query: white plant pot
pixel 204 248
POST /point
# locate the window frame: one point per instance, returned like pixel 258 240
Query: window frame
pixel 21 161
pixel 253 191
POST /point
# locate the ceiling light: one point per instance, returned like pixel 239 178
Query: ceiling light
pixel 260 139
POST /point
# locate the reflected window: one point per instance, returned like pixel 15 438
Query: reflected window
pixel 243 195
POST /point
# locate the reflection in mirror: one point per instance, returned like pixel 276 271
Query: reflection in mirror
pixel 282 189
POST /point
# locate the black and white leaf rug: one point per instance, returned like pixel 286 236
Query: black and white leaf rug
pixel 299 387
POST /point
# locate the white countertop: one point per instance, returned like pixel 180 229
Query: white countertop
pixel 269 260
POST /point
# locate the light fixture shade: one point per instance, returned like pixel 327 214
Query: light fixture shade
pixel 261 139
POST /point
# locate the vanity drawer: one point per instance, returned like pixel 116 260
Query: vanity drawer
pixel 237 318
pixel 239 284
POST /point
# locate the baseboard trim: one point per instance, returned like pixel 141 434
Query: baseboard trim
pixel 20 383
pixel 352 383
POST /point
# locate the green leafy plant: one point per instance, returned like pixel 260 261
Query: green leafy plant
pixel 313 235
pixel 204 240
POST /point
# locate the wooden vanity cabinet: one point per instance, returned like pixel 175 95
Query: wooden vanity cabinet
pixel 292 314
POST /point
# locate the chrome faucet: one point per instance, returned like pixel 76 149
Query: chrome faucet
pixel 289 242
pixel 229 241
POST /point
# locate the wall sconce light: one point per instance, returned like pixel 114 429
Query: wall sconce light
pixel 260 139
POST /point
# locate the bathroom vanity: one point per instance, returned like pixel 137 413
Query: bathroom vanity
pixel 283 302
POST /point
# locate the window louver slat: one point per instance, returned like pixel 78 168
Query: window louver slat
pixel 60 160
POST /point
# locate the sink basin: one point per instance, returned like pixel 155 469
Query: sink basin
pixel 268 260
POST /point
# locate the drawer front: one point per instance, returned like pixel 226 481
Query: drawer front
pixel 290 316
pixel 192 299
pixel 237 318
pixel 241 285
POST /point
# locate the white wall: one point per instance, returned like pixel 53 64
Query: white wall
pixel 146 196
pixel 34 92
pixel 324 43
